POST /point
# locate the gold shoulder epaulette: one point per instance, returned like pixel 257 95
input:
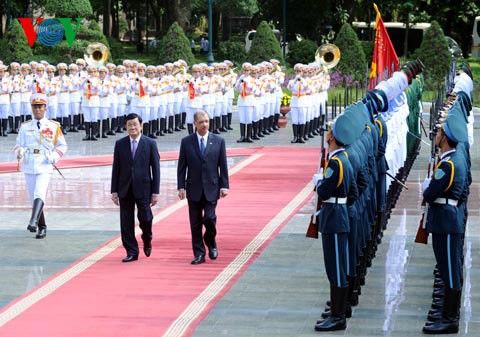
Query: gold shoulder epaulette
pixel 51 120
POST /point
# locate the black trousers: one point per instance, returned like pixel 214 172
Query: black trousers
pixel 202 213
pixel 127 222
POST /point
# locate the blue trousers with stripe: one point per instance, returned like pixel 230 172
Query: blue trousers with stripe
pixel 448 253
pixel 335 255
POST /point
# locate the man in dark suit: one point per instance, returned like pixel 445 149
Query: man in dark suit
pixel 135 180
pixel 202 177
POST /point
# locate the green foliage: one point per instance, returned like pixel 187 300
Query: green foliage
pixel 352 61
pixel 301 52
pixel 117 50
pixel 367 47
pixel 175 45
pixel 265 45
pixel 233 51
pixel 69 8
pixel 435 55
pixel 15 46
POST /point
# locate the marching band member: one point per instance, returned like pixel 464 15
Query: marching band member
pixel 91 103
pixel 104 92
pixel 154 101
pixel 194 102
pixel 52 89
pixel 40 144
pixel 122 102
pixel 164 86
pixel 113 111
pixel 279 76
pixel 75 96
pixel 298 104
pixel 245 86
pixel 170 97
pixel 5 90
pixel 230 80
pixel 218 86
pixel 25 93
pixel 64 84
pixel 141 100
pixel 15 98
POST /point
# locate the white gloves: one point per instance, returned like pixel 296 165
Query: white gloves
pixel 51 157
pixel 426 182
pixel 317 177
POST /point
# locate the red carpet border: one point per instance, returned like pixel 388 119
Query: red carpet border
pixel 164 295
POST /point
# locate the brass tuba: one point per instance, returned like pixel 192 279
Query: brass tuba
pixel 327 55
pixel 96 54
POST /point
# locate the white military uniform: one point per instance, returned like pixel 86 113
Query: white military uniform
pixel 42 143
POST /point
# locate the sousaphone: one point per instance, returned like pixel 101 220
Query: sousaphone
pixel 327 55
pixel 96 54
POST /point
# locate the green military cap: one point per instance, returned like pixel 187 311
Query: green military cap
pixel 455 128
pixel 343 130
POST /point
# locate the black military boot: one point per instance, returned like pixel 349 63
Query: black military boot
pixel 248 138
pixel 450 315
pixel 104 128
pixel 270 124
pixel 42 227
pixel 310 129
pixel 216 126
pixel 153 129
pixel 301 132
pixel 336 320
pixel 295 133
pixel 113 126
pixel 242 134
pixel 265 126
pixel 229 121
pixel 146 129
pixel 88 129
pixel 74 125
pixel 210 125
pixel 223 128
pixel 178 122
pixel 183 119
pixel 16 125
pixel 119 125
pixel 255 131
pixel 170 124
pixel 10 124
pixel 4 127
pixel 37 209
pixel 190 128
pixel 94 126
pixel 260 128
pixel 305 131
pixel 276 117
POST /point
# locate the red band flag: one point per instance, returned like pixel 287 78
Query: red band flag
pixel 385 60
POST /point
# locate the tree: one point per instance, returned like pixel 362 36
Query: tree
pixel 352 61
pixel 69 8
pixel 175 45
pixel 301 52
pixel 265 45
pixel 435 55
pixel 16 45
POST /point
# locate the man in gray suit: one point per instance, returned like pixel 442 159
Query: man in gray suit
pixel 202 177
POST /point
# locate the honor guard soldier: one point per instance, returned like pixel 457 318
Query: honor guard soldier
pixel 443 193
pixel 5 90
pixel 15 98
pixel 40 144
pixel 25 93
pixel 337 189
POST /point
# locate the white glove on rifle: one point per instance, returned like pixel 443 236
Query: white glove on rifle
pixel 317 177
pixel 426 183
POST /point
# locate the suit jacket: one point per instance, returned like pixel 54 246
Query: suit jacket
pixel 141 172
pixel 199 175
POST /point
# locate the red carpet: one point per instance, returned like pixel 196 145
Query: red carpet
pixel 108 159
pixel 144 298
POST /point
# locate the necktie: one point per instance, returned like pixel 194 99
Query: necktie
pixel 134 148
pixel 202 146
pixel 38 124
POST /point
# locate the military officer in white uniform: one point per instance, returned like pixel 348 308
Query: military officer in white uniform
pixel 40 144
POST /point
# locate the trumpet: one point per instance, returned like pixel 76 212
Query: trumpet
pixel 179 70
pixel 96 54
pixel 230 71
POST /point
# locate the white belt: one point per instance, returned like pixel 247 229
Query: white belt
pixel 445 201
pixel 36 151
pixel 334 200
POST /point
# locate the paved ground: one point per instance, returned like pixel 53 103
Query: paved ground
pixel 283 291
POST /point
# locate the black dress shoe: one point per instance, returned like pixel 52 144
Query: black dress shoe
pixel 198 259
pixel 147 251
pixel 213 253
pixel 42 232
pixel 130 258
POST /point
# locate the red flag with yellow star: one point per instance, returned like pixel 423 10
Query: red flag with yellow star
pixel 385 60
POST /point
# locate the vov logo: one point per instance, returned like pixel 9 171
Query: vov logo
pixel 50 32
